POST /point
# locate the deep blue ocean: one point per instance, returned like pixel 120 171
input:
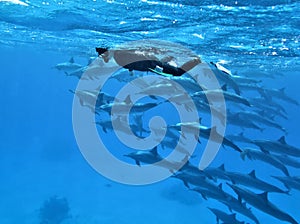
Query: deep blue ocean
pixel 40 160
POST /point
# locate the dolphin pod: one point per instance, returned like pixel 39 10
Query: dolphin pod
pixel 235 188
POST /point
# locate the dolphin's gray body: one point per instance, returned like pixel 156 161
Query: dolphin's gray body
pixel 225 76
pixel 270 103
pixel 261 202
pixel 196 180
pixel 204 107
pixel 217 194
pixel 77 73
pixel 226 218
pixel 254 154
pixel 152 157
pixel 267 109
pixel 148 157
pixel 212 133
pixel 207 133
pixel 216 96
pixel 289 182
pixel 249 87
pixel 280 146
pixel 279 94
pixel 239 138
pixel 92 98
pixel 288 160
pixel 257 118
pixel 122 107
pixel 187 83
pixel 236 120
pixel 245 80
pixel 218 172
pixel 232 203
pixel 69 66
pixel 193 170
pixel 250 180
pixel 107 125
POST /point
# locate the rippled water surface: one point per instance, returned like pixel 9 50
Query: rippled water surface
pixel 252 33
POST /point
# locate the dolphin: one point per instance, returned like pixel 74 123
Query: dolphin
pixel 182 99
pixel 69 66
pixel 193 170
pixel 239 138
pixel 261 202
pixel 253 154
pixel 171 144
pixel 123 107
pixel 269 102
pixel 207 133
pixel 216 96
pixel 250 180
pixel 148 157
pixel 189 84
pixel 245 80
pixel 161 89
pixel 226 218
pixel 218 172
pixel 289 182
pixel 217 194
pixel 212 133
pixel 191 127
pixel 197 180
pixel 288 160
pixel 231 202
pixel 259 119
pixel 152 157
pixel 89 97
pixel 236 120
pixel 280 146
pixel 249 87
pixel 267 109
pixel 204 107
pixel 107 125
pixel 279 94
pixel 77 73
pixel 225 76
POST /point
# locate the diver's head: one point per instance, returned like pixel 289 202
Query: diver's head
pixel 104 53
pixel 101 50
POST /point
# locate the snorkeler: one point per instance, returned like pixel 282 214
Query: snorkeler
pixel 141 61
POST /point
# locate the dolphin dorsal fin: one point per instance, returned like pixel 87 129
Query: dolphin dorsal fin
pixel 71 60
pixel 128 100
pixel 154 151
pixel 282 89
pixel 264 196
pixel 222 167
pixel 252 174
pixel 224 87
pixel 220 186
pixel 282 140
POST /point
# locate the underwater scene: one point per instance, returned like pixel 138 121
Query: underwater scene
pixel 144 111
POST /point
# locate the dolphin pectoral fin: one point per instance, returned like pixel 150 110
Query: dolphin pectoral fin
pixel 72 60
pixel 137 163
pixel 203 196
pixel 186 184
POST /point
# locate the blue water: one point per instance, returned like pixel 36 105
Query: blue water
pixel 40 157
